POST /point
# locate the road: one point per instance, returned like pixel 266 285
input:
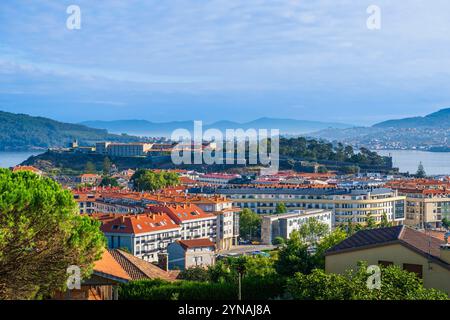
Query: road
pixel 242 249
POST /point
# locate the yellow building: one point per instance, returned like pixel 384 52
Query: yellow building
pixel 426 207
pixel 354 205
pixel 412 250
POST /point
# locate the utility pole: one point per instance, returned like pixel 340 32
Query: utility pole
pixel 240 269
pixel 240 286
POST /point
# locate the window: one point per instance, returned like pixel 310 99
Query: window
pixel 385 263
pixel 416 268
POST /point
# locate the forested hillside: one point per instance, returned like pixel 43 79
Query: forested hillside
pixel 24 132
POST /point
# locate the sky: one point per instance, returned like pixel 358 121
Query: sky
pixel 240 60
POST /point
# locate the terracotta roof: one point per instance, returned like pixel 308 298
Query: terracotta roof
pixel 196 243
pixel 140 223
pixel 183 212
pixel 109 266
pixel 422 243
pixel 138 269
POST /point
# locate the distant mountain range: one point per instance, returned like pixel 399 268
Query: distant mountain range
pixel 431 132
pixel 439 119
pixel 147 128
pixel 24 132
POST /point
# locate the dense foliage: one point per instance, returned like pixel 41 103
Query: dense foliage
pixel 109 182
pixel 21 132
pixel 280 208
pixel 396 284
pixel 219 282
pixel 41 235
pixel 312 149
pixel 305 249
pixel 147 180
pixel 249 224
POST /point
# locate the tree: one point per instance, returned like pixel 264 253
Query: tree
pixel 249 224
pixel 322 169
pixel 294 257
pixel 106 166
pixel 41 235
pixel 147 180
pixel 384 221
pixel 278 241
pixel 446 223
pixel 109 182
pixel 280 208
pixel 328 241
pixel 312 231
pixel 396 284
pixel 421 171
pixel 370 222
pixel 90 167
pixel 350 169
pixel 195 274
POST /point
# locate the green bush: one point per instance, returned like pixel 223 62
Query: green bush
pixel 253 288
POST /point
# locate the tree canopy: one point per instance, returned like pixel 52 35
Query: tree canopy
pixel 109 182
pixel 311 149
pixel 249 224
pixel 396 284
pixel 41 235
pixel 280 208
pixel 148 180
pixel 421 171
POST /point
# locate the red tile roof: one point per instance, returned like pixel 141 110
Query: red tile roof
pixel 109 266
pixel 196 243
pixel 140 223
pixel 138 269
pixel 181 213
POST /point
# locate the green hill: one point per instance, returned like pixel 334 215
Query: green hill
pixel 439 119
pixel 24 132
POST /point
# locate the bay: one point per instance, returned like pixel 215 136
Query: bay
pixel 13 158
pixel 435 163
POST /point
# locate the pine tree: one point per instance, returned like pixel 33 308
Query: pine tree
pixel 421 171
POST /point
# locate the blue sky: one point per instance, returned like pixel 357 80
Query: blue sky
pixel 224 59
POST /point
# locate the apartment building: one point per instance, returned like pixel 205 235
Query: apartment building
pixel 427 201
pixel 217 178
pixel 86 202
pixel 123 149
pixel 143 235
pixel 347 205
pixel 282 225
pixel 224 229
pixel 227 219
pixel 426 208
pixel 194 222
pixel 185 254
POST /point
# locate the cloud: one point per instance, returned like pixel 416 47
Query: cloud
pixel 318 52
